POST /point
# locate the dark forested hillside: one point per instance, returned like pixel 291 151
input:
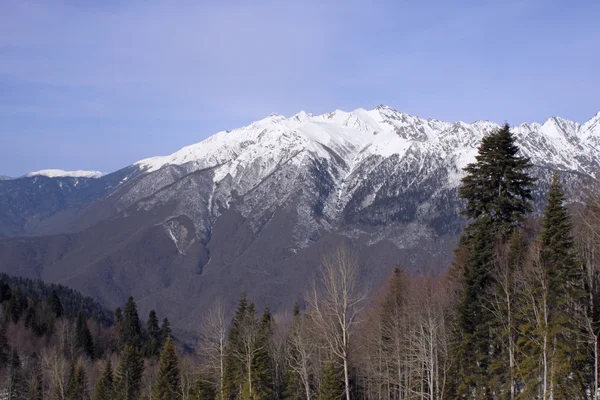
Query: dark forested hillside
pixel 71 300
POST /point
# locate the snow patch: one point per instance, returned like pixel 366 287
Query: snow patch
pixel 59 173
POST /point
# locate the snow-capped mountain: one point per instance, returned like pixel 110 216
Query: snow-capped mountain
pixel 382 131
pixel 255 208
pixel 361 158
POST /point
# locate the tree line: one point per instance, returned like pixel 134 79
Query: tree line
pixel 516 316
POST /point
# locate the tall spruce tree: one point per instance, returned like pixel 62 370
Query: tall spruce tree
pixel 558 343
pixel 497 191
pixel 263 364
pixel 234 370
pixel 168 383
pixel 83 336
pixel 498 185
pixel 153 344
pixel 165 331
pixel 105 386
pixel 128 379
pixel 130 332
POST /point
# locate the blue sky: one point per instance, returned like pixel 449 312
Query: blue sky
pixel 101 84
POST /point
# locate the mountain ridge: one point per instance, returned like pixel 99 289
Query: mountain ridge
pixel 255 208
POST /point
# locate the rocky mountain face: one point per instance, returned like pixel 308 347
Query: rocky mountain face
pixel 254 209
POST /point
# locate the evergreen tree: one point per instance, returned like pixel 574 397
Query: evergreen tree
pixel 83 336
pixel 105 386
pixel 559 340
pixel 497 193
pixel 118 315
pixel 497 185
pixel 55 304
pixel 205 389
pixel 332 387
pixel 130 326
pixel 153 344
pixel 234 369
pixel 77 389
pixel 165 331
pixel 129 374
pixel 168 381
pixel 263 364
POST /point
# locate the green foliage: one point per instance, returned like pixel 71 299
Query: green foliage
pixel 77 387
pixel 497 192
pixel 332 386
pixel 83 337
pixel 105 385
pixel 497 185
pixel 204 389
pixel 167 386
pixel 131 334
pixel 561 300
pixel 55 304
pixel 129 374
pixel 153 344
pixel 66 301
pixel 118 315
pixel 262 365
pixel 234 369
pixel 165 331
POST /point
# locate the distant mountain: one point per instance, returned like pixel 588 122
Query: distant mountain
pixel 59 173
pixel 255 208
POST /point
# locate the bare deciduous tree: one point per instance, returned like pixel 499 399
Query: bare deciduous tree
pixel 335 301
pixel 213 337
pixel 302 352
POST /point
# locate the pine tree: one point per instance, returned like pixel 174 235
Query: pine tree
pixel 55 304
pixel 77 389
pixel 153 344
pixel 129 374
pixel 167 386
pixel 105 386
pixel 332 387
pixel 83 336
pixel 130 326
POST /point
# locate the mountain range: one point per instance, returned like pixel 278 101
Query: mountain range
pixel 254 209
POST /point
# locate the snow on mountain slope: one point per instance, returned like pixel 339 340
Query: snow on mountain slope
pixel 358 170
pixel 59 173
pixel 357 135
